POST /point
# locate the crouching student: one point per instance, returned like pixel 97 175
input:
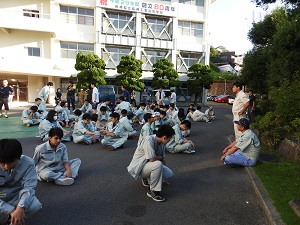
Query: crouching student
pixel 178 143
pixel 84 131
pixel 126 120
pixel 17 183
pixel 244 151
pixel 103 117
pixel 31 117
pixel 114 135
pixel 210 113
pixel 52 162
pixel 149 162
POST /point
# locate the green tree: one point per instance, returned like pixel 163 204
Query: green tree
pixel 91 69
pixel 130 72
pixel 164 74
pixel 264 3
pixel 214 53
pixel 199 76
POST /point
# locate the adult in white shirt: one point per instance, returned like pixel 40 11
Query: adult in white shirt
pixel 95 97
pixel 173 97
pixel 239 107
pixel 160 96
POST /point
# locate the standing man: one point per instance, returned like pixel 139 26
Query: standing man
pixel 251 107
pixel 239 107
pixel 145 95
pixel 5 91
pixel 95 97
pixel 149 162
pixel 71 95
pixel 44 93
pixel 126 94
pixel 160 96
pixel 173 97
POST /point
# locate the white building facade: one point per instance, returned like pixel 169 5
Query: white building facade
pixel 39 40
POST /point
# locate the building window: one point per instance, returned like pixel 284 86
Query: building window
pixel 76 15
pixel 120 23
pixel 31 13
pixel 157 28
pixel 150 57
pixel 69 50
pixel 190 28
pixel 190 58
pixel 113 55
pixel 193 2
pixel 34 51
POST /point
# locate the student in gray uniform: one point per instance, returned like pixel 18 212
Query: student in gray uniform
pixel 50 122
pixel 114 135
pixel 149 162
pixel 41 108
pixel 156 121
pixel 178 143
pixel 103 117
pixel 244 151
pixel 146 128
pixel 44 93
pixel 84 131
pixel 52 162
pixel 87 107
pixel 30 117
pixel 126 120
pixel 18 181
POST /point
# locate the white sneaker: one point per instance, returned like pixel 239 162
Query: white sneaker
pixel 64 181
pixel 188 151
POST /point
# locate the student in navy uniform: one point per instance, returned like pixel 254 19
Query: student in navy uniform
pixel 126 94
pixel 5 91
pixel 71 95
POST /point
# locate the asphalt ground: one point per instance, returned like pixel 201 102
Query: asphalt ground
pixel 203 190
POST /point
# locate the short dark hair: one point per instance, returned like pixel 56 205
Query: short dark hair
pixel 77 112
pixel 147 116
pixel 124 111
pixel 115 115
pixel 238 84
pixel 199 107
pixel 142 104
pixel 156 110
pixel 103 109
pixel 165 130
pixel 86 116
pixel 162 112
pixel 49 84
pixel 56 131
pixel 34 108
pixel 187 123
pixel 181 114
pixel 10 150
pixel 107 99
pixel 94 117
pixel 93 83
pixel 86 100
pixel 37 99
pixel 122 98
pixel 172 105
pixel 70 82
pixel 63 103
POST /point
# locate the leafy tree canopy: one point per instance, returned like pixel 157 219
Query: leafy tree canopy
pixel 91 69
pixel 164 74
pixel 199 76
pixel 130 72
pixel 214 53
pixel 264 3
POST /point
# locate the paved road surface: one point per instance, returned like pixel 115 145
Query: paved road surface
pixel 203 191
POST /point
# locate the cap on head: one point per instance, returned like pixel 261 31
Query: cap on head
pixel 243 122
pixel 156 114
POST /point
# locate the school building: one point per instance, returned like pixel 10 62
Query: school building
pixel 39 40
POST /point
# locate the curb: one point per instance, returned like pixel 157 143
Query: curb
pixel 263 198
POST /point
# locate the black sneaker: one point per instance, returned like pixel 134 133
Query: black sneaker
pixel 145 183
pixel 155 195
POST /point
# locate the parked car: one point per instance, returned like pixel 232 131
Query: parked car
pixel 222 98
pixel 107 91
pixel 231 100
pixel 211 97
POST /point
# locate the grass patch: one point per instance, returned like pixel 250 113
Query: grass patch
pixel 282 182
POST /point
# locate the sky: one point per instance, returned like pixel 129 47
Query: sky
pixel 230 21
